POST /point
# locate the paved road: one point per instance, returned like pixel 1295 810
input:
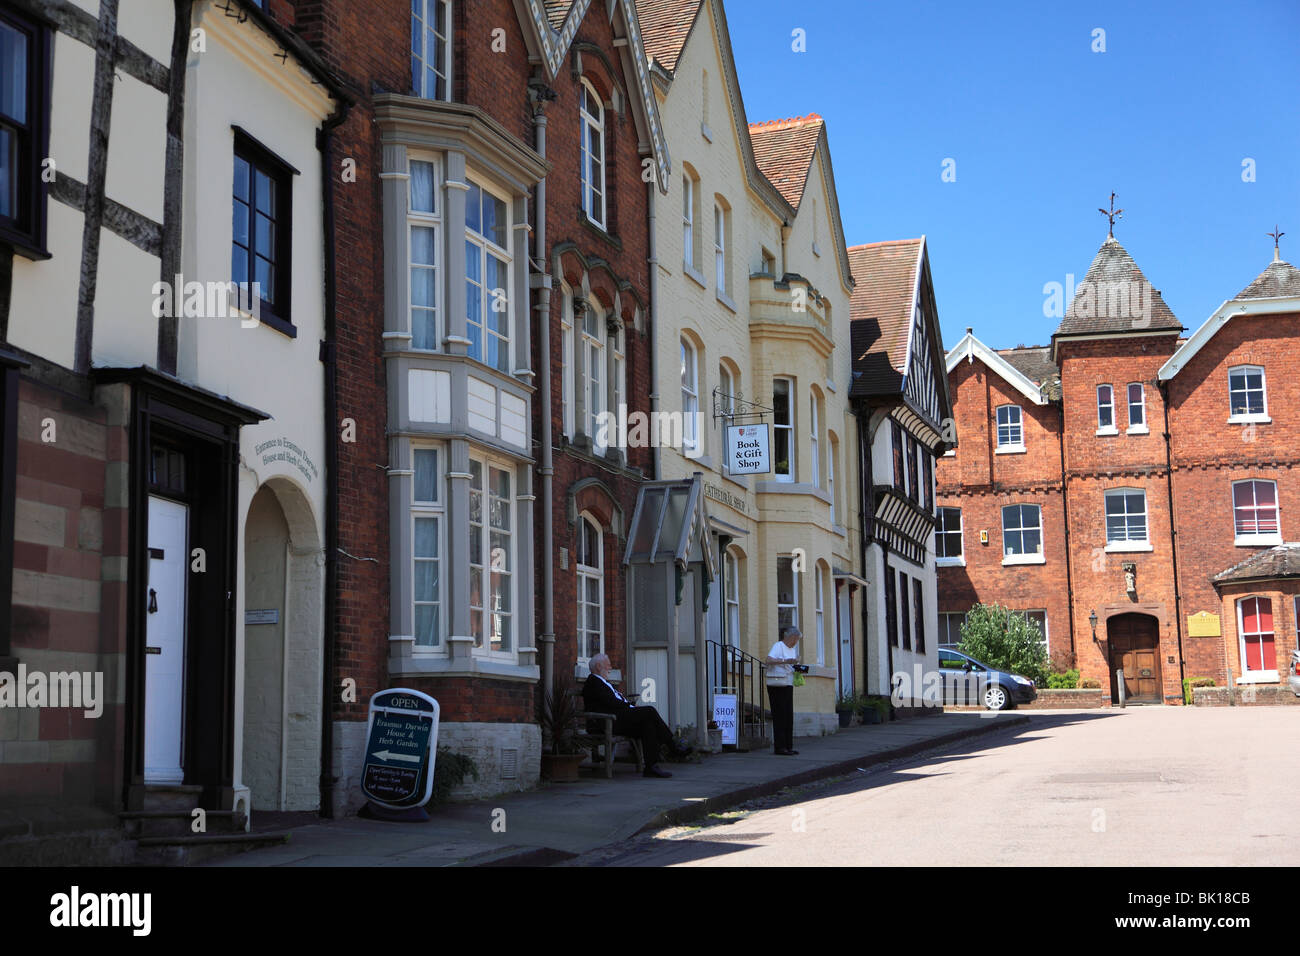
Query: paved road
pixel 1159 786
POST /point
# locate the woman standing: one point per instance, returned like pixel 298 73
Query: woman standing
pixel 780 691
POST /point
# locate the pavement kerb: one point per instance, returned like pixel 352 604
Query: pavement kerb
pixel 679 815
pixel 676 816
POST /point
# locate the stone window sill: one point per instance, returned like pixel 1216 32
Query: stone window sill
pixel 1258 677
pixel 1124 547
pixel 951 562
pixel 696 276
pixel 1010 450
pixel 1138 430
pixel 1109 430
pixel 430 666
pixel 1256 540
pixel 1249 420
pixel 1011 559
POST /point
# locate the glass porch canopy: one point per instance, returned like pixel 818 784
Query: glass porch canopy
pixel 670 525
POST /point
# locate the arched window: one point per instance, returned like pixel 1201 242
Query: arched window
pixel 814 439
pixel 592 114
pixel 591 590
pixel 731 594
pixel 690 396
pixel 593 365
pixel 821 613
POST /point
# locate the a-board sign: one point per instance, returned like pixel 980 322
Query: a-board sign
pixel 401 741
pixel 726 717
pixel 748 449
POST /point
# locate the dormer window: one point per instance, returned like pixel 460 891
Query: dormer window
pixel 592 115
pixel 431 49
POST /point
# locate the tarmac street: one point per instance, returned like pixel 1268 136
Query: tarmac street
pixel 1164 786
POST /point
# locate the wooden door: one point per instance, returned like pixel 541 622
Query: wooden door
pixel 1135 647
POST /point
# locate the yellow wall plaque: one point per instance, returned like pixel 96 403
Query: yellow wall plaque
pixel 1203 624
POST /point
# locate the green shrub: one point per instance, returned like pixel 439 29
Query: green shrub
pixel 1203 682
pixel 1187 690
pixel 1066 680
pixel 1005 640
pixel 1090 683
pixel 449 772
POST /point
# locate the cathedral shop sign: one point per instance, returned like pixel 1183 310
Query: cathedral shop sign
pixel 401 738
pixel 282 449
pixel 734 501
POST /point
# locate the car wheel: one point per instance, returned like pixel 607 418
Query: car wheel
pixel 996 697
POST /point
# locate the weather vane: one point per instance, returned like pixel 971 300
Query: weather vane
pixel 1276 236
pixel 1112 215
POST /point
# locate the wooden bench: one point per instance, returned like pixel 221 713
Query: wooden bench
pixel 604 738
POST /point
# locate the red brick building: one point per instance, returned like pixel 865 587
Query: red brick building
pixel 1131 478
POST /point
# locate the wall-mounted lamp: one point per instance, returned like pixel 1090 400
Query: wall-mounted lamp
pixel 1092 619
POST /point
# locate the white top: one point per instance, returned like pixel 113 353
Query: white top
pixel 781 675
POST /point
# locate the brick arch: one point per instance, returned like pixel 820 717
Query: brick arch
pixel 598 71
pixel 604 284
pixel 596 498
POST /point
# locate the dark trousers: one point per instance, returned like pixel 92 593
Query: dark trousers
pixel 782 699
pixel 645 723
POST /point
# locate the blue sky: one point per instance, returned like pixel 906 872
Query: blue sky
pixel 1041 129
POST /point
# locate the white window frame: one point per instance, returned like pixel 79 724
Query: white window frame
pixel 1127 542
pixel 1107 428
pixel 820 582
pixel 1249 676
pixel 814 440
pixel 595 383
pixel 435 510
pixel 1014 428
pixel 789 475
pixel 726 391
pixel 592 126
pixel 1037 610
pixel 940 529
pixel 488 249
pixel 588 572
pixel 1036 557
pixel 1255 539
pixel 1140 427
pixel 832 466
pixel 421 18
pixel 792 605
pixel 484 649
pixel 425 219
pixel 731 594
pixel 688 221
pixel 690 381
pixel 1235 417
pixel 720 247
pixel 946 630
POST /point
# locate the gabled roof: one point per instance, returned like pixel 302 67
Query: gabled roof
pixel 1109 297
pixel 665 25
pixel 551 25
pixel 1274 291
pixel 1281 561
pixel 784 152
pixel 880 315
pixel 1035 363
pixel 1014 369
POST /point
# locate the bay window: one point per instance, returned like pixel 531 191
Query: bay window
pixel 424 227
pixel 431 49
pixel 487 278
pixel 491 558
pixel 427 507
pixel 1255 630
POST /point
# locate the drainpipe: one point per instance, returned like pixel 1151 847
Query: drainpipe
pixel 1173 547
pixel 1069 555
pixel 653 262
pixel 539 96
pixel 330 358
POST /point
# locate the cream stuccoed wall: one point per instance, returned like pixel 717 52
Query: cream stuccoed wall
pixel 751 335
pixel 238 81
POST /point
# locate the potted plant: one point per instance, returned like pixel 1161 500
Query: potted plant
pixel 874 709
pixel 846 705
pixel 561 753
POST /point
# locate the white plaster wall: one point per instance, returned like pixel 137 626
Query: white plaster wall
pixel 74 80
pixel 148 24
pixel 126 332
pixel 137 147
pixel 43 304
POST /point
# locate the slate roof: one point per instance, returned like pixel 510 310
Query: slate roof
pixel 880 313
pixel 665 26
pixel 1280 561
pixel 1113 264
pixel 1279 279
pixel 784 151
pixel 1035 363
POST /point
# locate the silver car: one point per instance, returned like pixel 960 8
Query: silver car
pixel 1293 681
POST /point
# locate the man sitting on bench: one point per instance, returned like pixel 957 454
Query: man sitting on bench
pixel 600 696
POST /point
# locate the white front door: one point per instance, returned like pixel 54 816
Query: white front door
pixel 164 680
pixel 844 630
